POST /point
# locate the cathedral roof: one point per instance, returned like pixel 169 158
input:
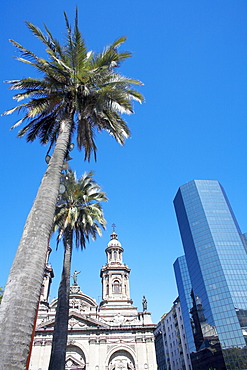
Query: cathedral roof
pixel 77 320
pixel 114 242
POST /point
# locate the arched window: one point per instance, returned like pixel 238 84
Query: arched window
pixel 75 358
pixel 116 287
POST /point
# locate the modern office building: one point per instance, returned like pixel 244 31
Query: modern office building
pixel 216 259
pixel 197 330
pixel 184 290
pixel 160 345
pixel 171 345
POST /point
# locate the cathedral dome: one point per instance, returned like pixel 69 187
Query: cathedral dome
pixel 114 242
pixel 114 250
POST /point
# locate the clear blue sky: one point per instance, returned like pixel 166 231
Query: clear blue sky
pixel 192 57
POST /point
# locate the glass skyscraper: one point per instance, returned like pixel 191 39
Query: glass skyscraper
pixel 216 259
pixel 184 291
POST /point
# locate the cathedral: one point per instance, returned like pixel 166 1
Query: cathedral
pixel 110 336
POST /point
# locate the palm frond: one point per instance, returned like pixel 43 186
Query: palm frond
pixel 48 41
pixel 15 109
pixel 56 48
pixel 79 209
pixel 84 81
pixel 80 48
pixel 115 126
pixel 118 42
pixel 24 52
pixel 46 129
pixel 85 137
pixel 69 50
pixel 110 56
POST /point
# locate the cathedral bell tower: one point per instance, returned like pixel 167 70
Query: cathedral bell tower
pixel 115 277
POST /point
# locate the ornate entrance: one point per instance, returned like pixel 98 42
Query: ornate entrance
pixel 121 360
pixel 75 358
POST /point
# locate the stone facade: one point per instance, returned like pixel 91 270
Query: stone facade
pixel 111 336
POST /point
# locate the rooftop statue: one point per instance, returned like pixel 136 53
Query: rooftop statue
pixel 74 276
pixel 144 304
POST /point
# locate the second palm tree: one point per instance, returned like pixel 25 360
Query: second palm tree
pixel 78 217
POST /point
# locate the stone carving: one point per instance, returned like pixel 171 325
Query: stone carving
pixel 73 322
pixel 119 319
pixel 74 289
pixel 121 364
pixel 81 324
pixel 70 342
pixel 74 303
pixel 82 306
pixel 132 321
pixel 77 304
pixel 69 363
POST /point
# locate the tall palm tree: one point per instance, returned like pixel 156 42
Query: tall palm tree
pixel 80 92
pixel 1 294
pixel 78 216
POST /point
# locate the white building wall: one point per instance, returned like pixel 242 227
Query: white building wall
pixel 98 350
pixel 113 335
pixel 171 327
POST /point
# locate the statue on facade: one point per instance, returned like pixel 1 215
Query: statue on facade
pixel 74 276
pixel 144 304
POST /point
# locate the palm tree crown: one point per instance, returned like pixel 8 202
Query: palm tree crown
pixel 77 82
pixel 78 210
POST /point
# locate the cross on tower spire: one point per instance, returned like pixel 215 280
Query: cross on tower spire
pixel 113 227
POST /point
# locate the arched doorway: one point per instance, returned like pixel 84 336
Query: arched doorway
pixel 75 358
pixel 121 360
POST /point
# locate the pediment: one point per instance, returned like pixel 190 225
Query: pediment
pixel 73 363
pixel 76 321
pixel 78 301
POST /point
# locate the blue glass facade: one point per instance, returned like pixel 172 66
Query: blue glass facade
pixel 184 289
pixel 217 265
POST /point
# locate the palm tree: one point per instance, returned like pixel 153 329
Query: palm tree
pixel 78 216
pixel 1 293
pixel 79 93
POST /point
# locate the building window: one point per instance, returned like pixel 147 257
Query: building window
pixel 116 287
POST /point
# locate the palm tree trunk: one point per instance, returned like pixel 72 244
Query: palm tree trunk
pixel 60 334
pixel 22 292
